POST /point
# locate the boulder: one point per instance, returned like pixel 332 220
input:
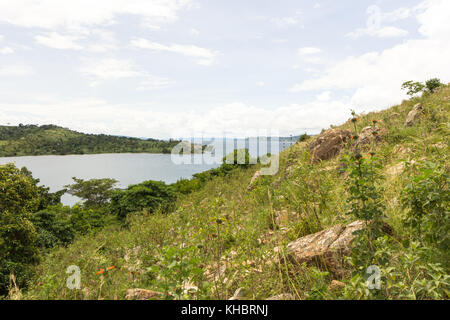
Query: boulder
pixel 369 135
pixel 329 144
pixel 326 248
pixel 252 181
pixel 142 294
pixel 414 115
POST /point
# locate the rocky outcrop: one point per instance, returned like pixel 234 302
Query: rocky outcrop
pixel 255 177
pixel 326 248
pixel 142 294
pixel 329 144
pixel 414 115
pixel 370 135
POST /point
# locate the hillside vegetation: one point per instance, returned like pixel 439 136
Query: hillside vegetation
pixel 26 140
pixel 222 236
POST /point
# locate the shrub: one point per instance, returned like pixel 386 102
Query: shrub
pixel 427 199
pixel 433 84
pixel 149 195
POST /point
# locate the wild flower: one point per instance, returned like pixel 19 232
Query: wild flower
pixel 101 271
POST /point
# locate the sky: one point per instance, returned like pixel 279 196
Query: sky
pixel 180 68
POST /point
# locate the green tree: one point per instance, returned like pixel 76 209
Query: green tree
pixel 412 87
pixel 433 84
pixel 19 197
pixel 148 195
pixel 94 192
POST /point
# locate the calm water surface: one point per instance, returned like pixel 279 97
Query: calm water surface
pixel 57 171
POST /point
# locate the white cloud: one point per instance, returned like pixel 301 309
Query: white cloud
pixel 100 70
pixel 324 96
pixel 154 83
pixel 202 56
pixel 194 32
pixel 308 51
pixel 6 50
pixel 385 32
pixel 58 41
pixel 260 84
pixel 108 69
pixel 285 21
pixel 94 40
pixel 1 37
pixel 50 14
pixel 16 70
pixel 376 77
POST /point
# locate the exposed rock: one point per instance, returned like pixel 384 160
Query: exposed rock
pixel 369 135
pixel 336 285
pixel 282 296
pixel 327 247
pixel 239 294
pixel 414 115
pixel 142 294
pixel 329 144
pixel 252 181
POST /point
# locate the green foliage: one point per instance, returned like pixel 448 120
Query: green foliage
pixel 18 250
pixel 417 87
pixel 413 87
pixel 148 195
pixel 95 192
pixel 50 139
pixel 59 225
pixel 176 267
pixel 18 197
pixel 303 137
pixel 19 192
pixel 53 227
pixel 427 199
pixel 433 84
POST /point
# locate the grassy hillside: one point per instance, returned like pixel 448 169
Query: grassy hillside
pixel 51 139
pixel 224 237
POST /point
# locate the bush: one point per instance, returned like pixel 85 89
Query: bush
pixel 148 195
pixel 433 84
pixel 427 200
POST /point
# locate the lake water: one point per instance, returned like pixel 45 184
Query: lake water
pixel 128 168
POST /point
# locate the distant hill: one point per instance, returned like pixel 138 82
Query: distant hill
pixel 24 140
